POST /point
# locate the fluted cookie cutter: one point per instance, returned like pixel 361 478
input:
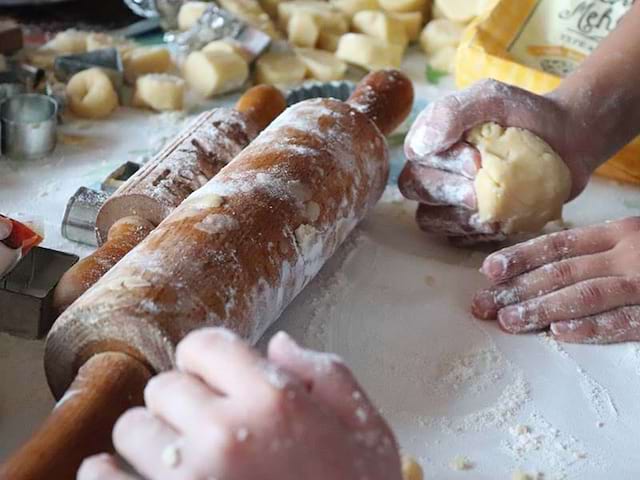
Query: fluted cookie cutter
pixel 28 123
pixel 338 89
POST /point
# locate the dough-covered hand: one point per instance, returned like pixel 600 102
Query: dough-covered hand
pixel 584 284
pixel 441 166
pixel 229 413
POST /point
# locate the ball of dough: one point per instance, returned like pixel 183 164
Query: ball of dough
pixel 369 52
pixel 411 470
pixel 439 34
pixel 212 73
pixel 523 183
pixel 159 91
pixel 280 68
pixel 323 66
pixel 91 94
pixel 380 25
pixel 190 13
pixel 143 60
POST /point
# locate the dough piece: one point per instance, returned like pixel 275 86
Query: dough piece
pixel 143 60
pixel 404 5
pixel 280 68
pixel 159 91
pixel 68 42
pixel 328 41
pixel 444 59
pixel 228 46
pixel 351 7
pixel 212 73
pixel 328 18
pixel 411 470
pixel 91 94
pixel 303 30
pixel 251 12
pixel 460 463
pixel 190 13
pixel 271 7
pixel 378 24
pixel 439 34
pixel 462 11
pixel 412 22
pixel 369 52
pixel 323 66
pixel 99 41
pixel 523 183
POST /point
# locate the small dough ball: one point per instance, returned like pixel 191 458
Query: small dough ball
pixel 68 42
pixel 190 13
pixel 462 11
pixel 303 30
pixel 411 470
pixel 322 65
pixel 369 52
pixel 444 59
pixel 380 25
pixel 351 7
pixel 280 68
pixel 212 73
pixel 159 91
pixel 523 183
pixel 328 41
pixel 404 5
pixel 91 94
pixel 439 34
pixel 143 60
pixel 327 17
pixel 412 22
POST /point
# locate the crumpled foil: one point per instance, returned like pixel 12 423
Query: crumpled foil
pixel 214 24
pixel 167 10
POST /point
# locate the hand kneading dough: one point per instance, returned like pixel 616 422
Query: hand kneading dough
pixel 303 30
pixel 143 60
pixel 159 91
pixel 279 68
pixel 91 94
pixel 369 52
pixel 211 73
pixel 378 24
pixel 411 470
pixel 523 183
pixel 190 13
pixel 323 66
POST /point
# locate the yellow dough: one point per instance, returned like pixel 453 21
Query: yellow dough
pixel 143 60
pixel 220 46
pixel 159 91
pixel 280 68
pixel 328 18
pixel 411 470
pixel 523 183
pixel 212 73
pixel 378 24
pixel 404 5
pixel 251 12
pixel 328 41
pixel 439 34
pixel 91 94
pixel 462 11
pixel 369 52
pixel 190 13
pixel 322 65
pixel 351 7
pixel 303 30
pixel 68 42
pixel 444 59
pixel 412 22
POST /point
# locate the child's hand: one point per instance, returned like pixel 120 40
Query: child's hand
pixel 229 414
pixel 441 167
pixel 584 283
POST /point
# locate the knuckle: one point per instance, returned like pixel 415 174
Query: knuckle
pixel 561 273
pixel 559 244
pixel 590 295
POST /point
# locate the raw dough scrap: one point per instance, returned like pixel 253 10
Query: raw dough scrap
pixel 214 72
pixel 142 60
pixel 91 94
pixel 280 68
pixel 412 22
pixel 159 91
pixel 523 183
pixel 351 7
pixel 380 25
pixel 190 13
pixel 323 66
pixel 369 52
pixel 303 30
pixel 440 33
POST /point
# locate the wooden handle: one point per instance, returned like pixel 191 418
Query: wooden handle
pixel 107 385
pixel 261 105
pixel 123 236
pixel 386 97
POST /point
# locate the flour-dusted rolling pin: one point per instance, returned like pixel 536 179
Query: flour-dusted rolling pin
pixel 236 252
pixel 182 167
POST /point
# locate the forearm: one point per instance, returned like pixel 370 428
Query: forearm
pixel 603 94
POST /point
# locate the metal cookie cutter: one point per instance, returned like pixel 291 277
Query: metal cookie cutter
pixel 10 84
pixel 66 66
pixel 118 177
pixel 26 292
pixel 79 221
pixel 339 89
pixel 28 123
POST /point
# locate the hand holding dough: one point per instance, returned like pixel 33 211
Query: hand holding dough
pixel 91 94
pixel 159 91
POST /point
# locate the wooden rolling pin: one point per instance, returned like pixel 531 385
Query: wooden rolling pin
pixel 234 254
pixel 138 206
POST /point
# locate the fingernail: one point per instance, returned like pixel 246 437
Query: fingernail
pixel 560 328
pixel 495 266
pixel 511 319
pixel 483 305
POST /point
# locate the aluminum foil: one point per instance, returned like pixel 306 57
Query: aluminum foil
pixel 167 10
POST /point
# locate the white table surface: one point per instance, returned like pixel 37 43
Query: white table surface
pixel 394 303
